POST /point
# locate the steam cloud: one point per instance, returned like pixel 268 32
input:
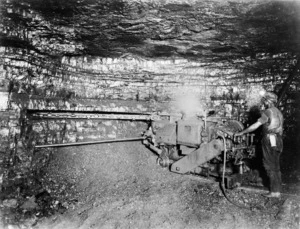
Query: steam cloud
pixel 189 102
pixel 192 101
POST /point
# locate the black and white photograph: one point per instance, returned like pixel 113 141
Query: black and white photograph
pixel 149 114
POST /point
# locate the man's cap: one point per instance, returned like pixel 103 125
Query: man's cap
pixel 270 97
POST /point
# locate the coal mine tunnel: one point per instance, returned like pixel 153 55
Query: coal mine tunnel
pixel 131 114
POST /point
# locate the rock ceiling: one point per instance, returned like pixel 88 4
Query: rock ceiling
pixel 198 29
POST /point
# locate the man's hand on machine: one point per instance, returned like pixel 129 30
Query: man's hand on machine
pixel 239 134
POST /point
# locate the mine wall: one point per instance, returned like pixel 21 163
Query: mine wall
pixel 52 75
pixel 121 85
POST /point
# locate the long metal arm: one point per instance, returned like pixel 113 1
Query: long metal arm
pixel 89 143
pixel 90 115
pixel 97 115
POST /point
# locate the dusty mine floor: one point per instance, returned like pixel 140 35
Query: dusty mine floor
pixel 119 185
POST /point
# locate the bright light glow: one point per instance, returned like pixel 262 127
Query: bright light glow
pixel 262 93
pixel 253 95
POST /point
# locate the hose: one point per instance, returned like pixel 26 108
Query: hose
pixel 222 184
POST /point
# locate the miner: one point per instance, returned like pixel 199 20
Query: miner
pixel 272 145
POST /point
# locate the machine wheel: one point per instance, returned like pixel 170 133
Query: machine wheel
pixel 163 160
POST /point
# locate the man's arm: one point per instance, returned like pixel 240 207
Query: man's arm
pixel 251 128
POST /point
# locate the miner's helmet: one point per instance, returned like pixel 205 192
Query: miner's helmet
pixel 268 97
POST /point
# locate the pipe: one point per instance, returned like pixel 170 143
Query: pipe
pixel 89 143
pixel 155 149
pixel 224 161
pixel 152 147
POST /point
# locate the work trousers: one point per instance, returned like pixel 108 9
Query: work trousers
pixel 271 161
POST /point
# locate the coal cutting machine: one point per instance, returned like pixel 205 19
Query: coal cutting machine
pixel 201 145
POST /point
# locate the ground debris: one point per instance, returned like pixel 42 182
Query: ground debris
pixel 10 203
pixel 29 204
pixel 127 189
